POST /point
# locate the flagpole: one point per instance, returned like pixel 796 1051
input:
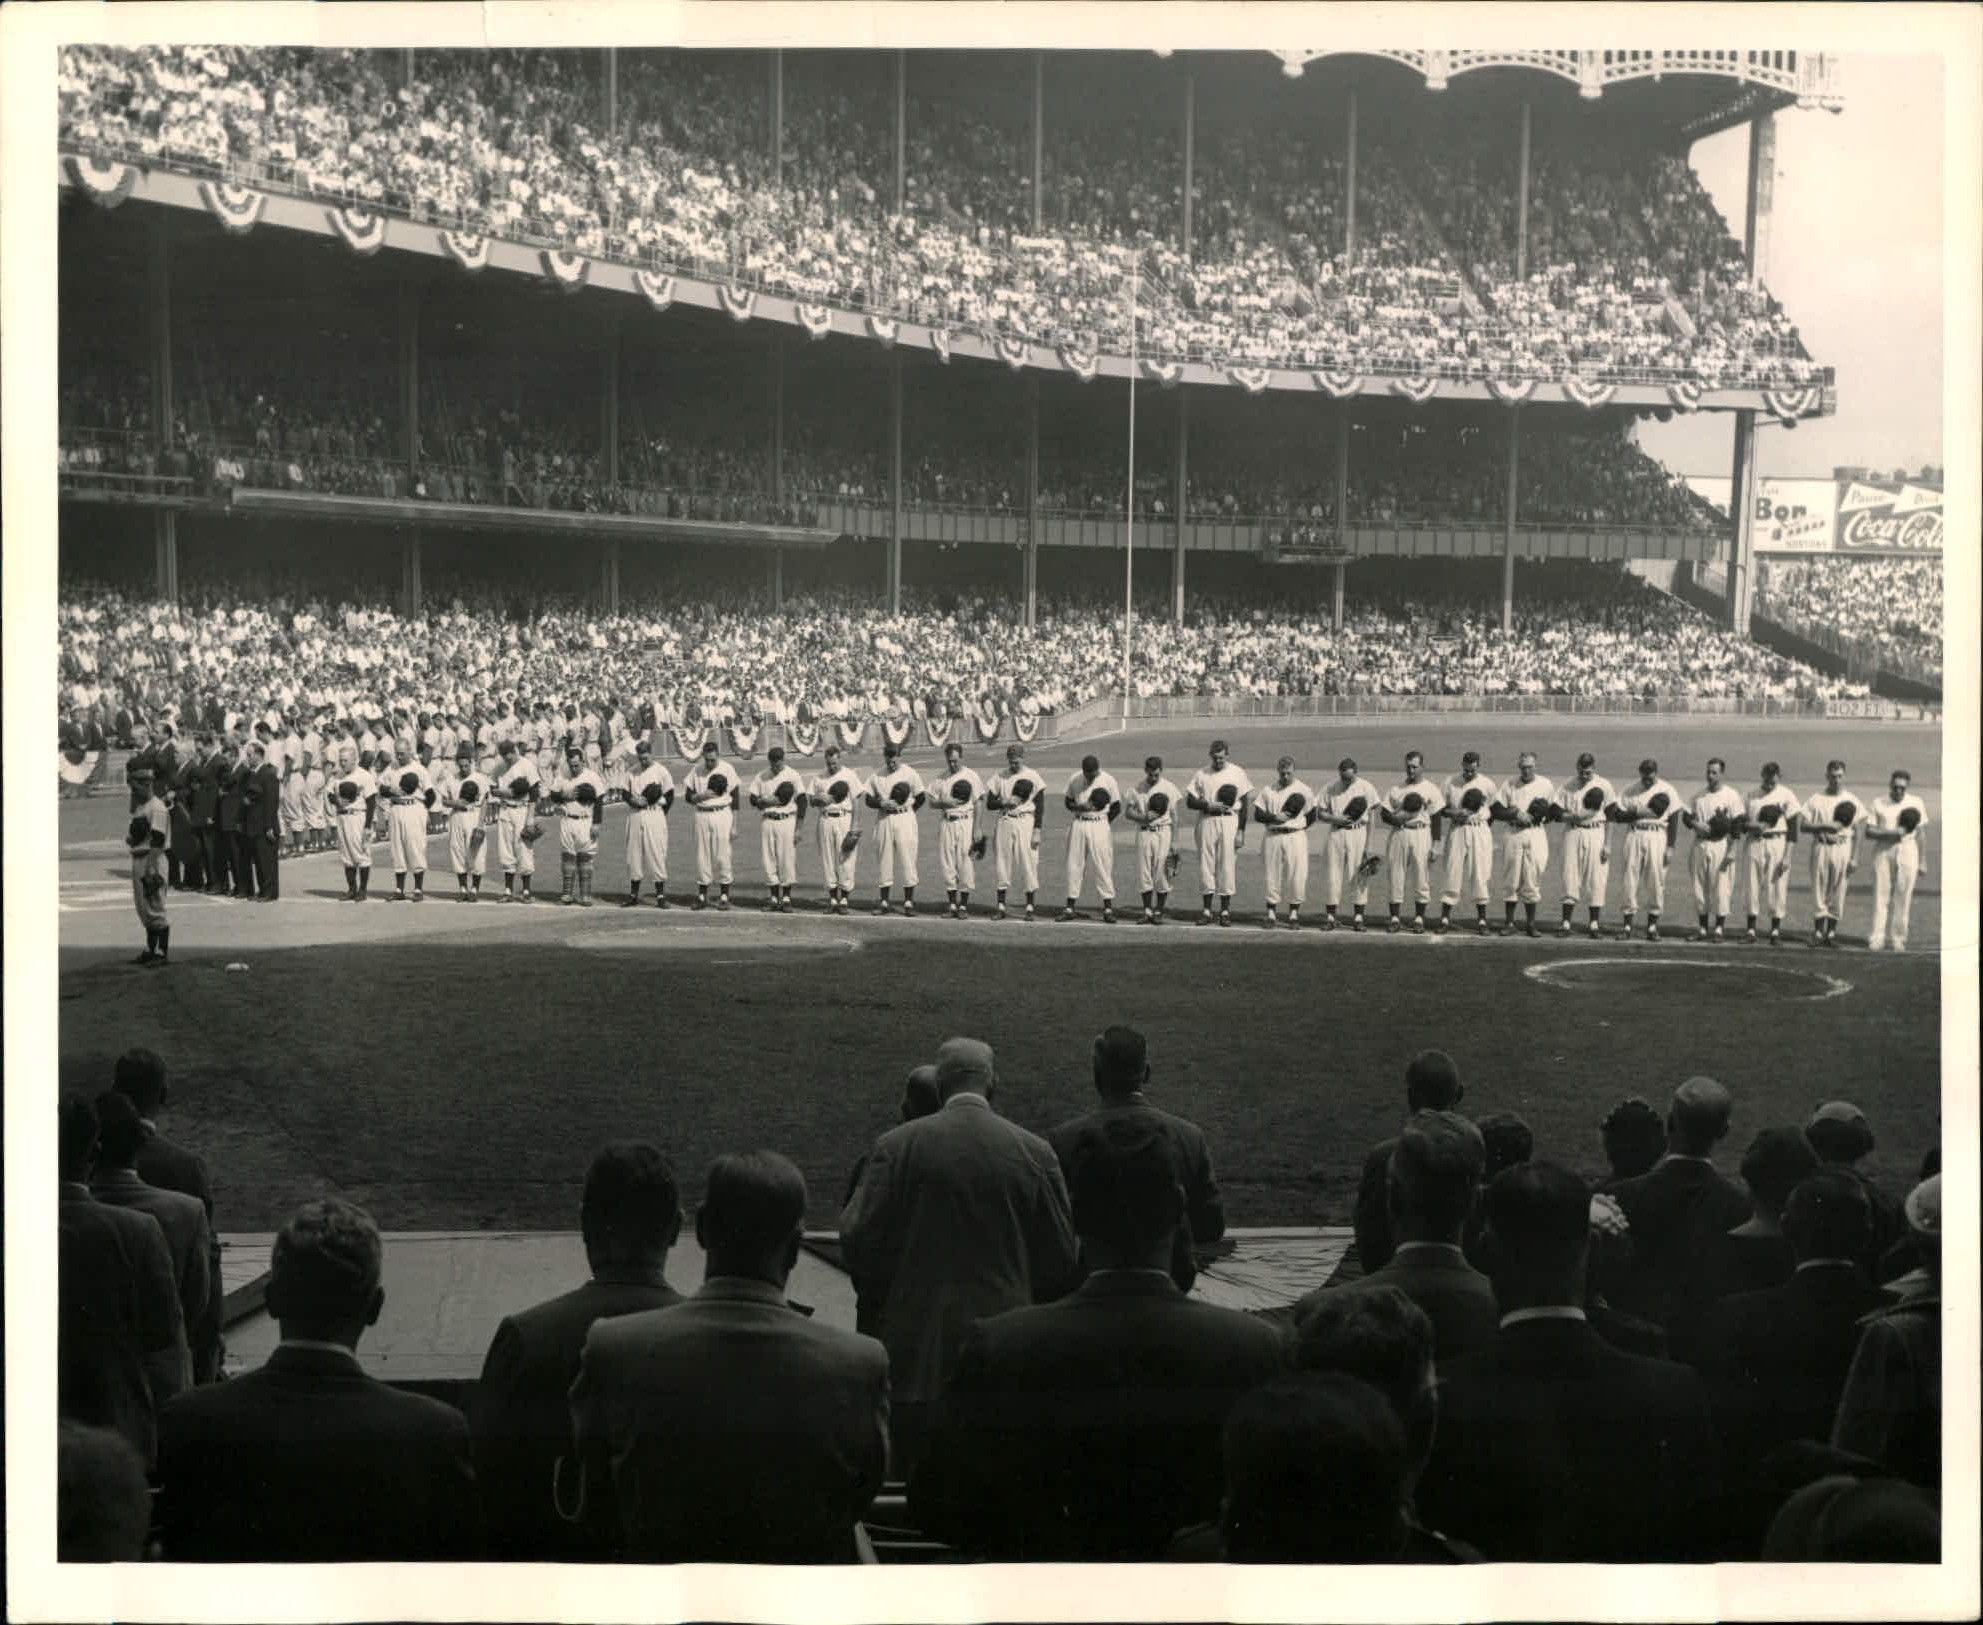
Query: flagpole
pixel 1129 511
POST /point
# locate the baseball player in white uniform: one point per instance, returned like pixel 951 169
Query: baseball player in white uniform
pixel 714 790
pixel 1893 825
pixel 1713 817
pixel 468 807
pixel 1586 802
pixel 409 790
pixel 1347 807
pixel 956 795
pixel 518 786
pixel 1094 801
pixel 1830 819
pixel 1284 810
pixel 1151 807
pixel 316 809
pixel 1220 794
pixel 290 809
pixel 833 792
pixel 1651 811
pixel 356 793
pixel 1409 808
pixel 145 839
pixel 1524 804
pixel 1469 842
pixel 779 794
pixel 650 793
pixel 581 798
pixel 896 793
pixel 1019 797
pixel 1768 822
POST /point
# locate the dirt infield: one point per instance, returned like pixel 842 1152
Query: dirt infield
pixel 453 1066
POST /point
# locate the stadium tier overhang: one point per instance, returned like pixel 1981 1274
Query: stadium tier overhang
pixel 316 507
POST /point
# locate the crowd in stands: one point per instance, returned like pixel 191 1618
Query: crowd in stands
pixel 1515 1363
pixel 222 658
pixel 1892 605
pixel 1631 267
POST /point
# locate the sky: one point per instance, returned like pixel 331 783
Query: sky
pixel 1856 257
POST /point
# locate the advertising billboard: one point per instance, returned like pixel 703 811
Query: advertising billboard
pixel 1863 516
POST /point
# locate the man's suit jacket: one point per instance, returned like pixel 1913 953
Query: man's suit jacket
pixel 233 785
pixel 1555 1447
pixel 188 1240
pixel 521 1423
pixel 732 1428
pixel 120 1334
pixel 171 1167
pixel 1456 1297
pixel 1676 1210
pixel 1776 1360
pixel 1089 1429
pixel 206 790
pixel 1204 1208
pixel 1372 1217
pixel 261 810
pixel 309 1460
pixel 959 1215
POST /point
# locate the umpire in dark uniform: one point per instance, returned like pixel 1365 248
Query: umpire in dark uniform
pixel 261 823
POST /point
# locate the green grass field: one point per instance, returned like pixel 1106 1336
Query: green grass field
pixel 455 1067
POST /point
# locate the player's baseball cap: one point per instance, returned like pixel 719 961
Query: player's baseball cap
pixel 1586 759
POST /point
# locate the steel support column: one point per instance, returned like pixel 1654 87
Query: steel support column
pixel 1522 202
pixel 165 531
pixel 409 377
pixel 1190 145
pixel 165 554
pixel 611 77
pixel 777 119
pixel 1761 198
pixel 1508 523
pixel 777 566
pixel 1342 502
pixel 901 128
pixel 1739 591
pixel 409 574
pixel 895 482
pixel 1349 186
pixel 1039 138
pixel 1032 497
pixel 1179 490
pixel 609 398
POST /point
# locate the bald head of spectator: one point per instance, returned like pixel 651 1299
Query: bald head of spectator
pixel 324 1273
pixel 631 1211
pixel 964 1066
pixel 1923 1210
pixel 1697 1121
pixel 1537 1240
pixel 752 1216
pixel 1432 1082
pixel 1434 1174
pixel 1377 1333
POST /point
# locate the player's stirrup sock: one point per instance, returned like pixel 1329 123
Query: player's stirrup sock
pixel 1001 897
pixel 908 896
pixel 1225 905
pixel 1208 902
pixel 164 940
pixel 399 881
pixel 351 878
pixel 952 895
pixel 1510 905
pixel 509 882
pixel 1480 913
pixel 1146 902
pixel 364 880
pixel 963 902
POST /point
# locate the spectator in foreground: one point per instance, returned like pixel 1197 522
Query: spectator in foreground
pixel 1891 1409
pixel 1508 1141
pixel 140 1076
pixel 1122 1078
pixel 102 1507
pixel 732 1427
pixel 958 1216
pixel 1676 1210
pixel 1634 1139
pixel 918 1100
pixel 121 1336
pixel 309 1459
pixel 629 1216
pixel 181 1219
pixel 1432 1084
pixel 1433 1180
pixel 1846 1519
pixel 1553 1446
pixel 1088 1429
pixel 1842 1138
pixel 1756 1253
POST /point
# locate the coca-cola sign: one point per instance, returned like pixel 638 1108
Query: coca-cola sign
pixel 1882 530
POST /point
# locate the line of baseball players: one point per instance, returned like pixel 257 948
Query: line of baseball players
pixel 1422 825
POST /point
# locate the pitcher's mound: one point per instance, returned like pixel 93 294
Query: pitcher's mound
pixel 1687 981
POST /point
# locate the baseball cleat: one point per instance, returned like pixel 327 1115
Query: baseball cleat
pixel 908 910
pixel 1225 916
pixel 723 903
pixel 1444 926
pixel 1108 915
pixel 1357 923
pixel 1749 936
pixel 419 897
pixel 1530 929
pixel 771 905
pixel 1776 939
pixel 999 912
pixel 700 903
pixel 1481 930
pixel 1652 933
pixel 1563 930
pixel 631 902
pixel 1718 937
pixel 583 902
pixel 1148 917
pixel 145 958
pixel 1418 926
pixel 1328 922
pixel 1595 934
pixel 1395 926
pixel 1267 922
pixel 1700 934
pixel 660 900
pixel 1205 918
pixel 1066 914
pixel 1030 915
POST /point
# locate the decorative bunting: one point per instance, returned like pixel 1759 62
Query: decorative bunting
pixel 937 731
pixel 1251 379
pixel 1336 382
pixel 104 181
pixel 660 289
pixel 1078 357
pixel 569 271
pixel 743 739
pixel 739 302
pixel 362 230
pixel 985 721
pixel 687 741
pixel 940 342
pixel 468 249
pixel 851 731
pixel 1586 393
pixel 817 320
pixel 802 738
pixel 884 328
pixel 1685 395
pixel 895 731
pixel 77 768
pixel 1014 352
pixel 1788 405
pixel 1025 726
pixel 237 208
pixel 1416 390
pixel 1510 393
pixel 1166 373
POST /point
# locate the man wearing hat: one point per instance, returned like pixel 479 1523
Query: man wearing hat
pixel 469 802
pixel 714 789
pixel 1839 1133
pixel 1094 801
pixel 896 793
pixel 778 794
pixel 405 785
pixel 650 793
pixel 1891 1409
pixel 833 792
pixel 1469 842
pixel 1409 807
pixel 1019 797
pixel 1219 793
pixel 957 796
pixel 1894 824
pixel 1152 808
pixel 1525 854
pixel 1652 809
pixel 1285 809
pixel 1768 822
pixel 145 839
pixel 1348 806
pixel 1831 819
pixel 1585 801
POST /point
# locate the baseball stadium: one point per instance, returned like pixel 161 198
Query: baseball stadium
pixel 638 593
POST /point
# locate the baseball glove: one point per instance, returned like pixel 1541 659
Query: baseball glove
pixel 1356 809
pixel 978 847
pixel 1593 799
pixel 784 793
pixel 901 793
pixel 849 842
pixel 585 795
pixel 1843 814
pixel 1413 802
pixel 1769 817
pixel 1717 826
pixel 838 792
pixel 1293 807
pixel 1171 864
pixel 532 833
pixel 1909 819
pixel 719 784
pixel 1158 804
pixel 408 783
pixel 1023 791
pixel 960 791
pixel 1228 795
pixel 1473 800
pixel 139 832
pixel 152 885
pixel 429 796
pixel 1658 805
pixel 470 793
pixel 347 790
pixel 519 788
pixel 1098 798
pixel 1539 810
pixel 651 793
pixel 1369 866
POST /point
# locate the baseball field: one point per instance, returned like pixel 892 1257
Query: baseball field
pixel 454 1066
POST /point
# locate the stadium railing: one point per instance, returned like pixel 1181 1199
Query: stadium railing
pixel 1105 712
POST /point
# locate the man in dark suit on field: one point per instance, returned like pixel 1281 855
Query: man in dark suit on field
pixel 630 1216
pixel 209 768
pixel 732 1427
pixel 1088 1429
pixel 959 1215
pixel 233 819
pixel 1122 1076
pixel 261 823
pixel 1433 1181
pixel 309 1460
pixel 140 1078
pixel 1677 1210
pixel 121 1336
pixel 1432 1084
pixel 1554 1446
pixel 187 866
